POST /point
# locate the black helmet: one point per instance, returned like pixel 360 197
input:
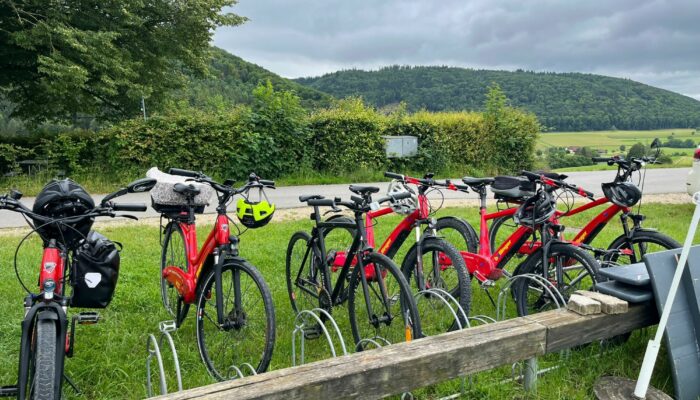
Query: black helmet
pixel 536 210
pixel 623 194
pixel 61 199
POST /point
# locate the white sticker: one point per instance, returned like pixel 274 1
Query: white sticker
pixel 92 279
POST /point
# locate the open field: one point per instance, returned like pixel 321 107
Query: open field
pixel 610 141
pixel 109 357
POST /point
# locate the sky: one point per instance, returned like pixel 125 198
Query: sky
pixel 656 42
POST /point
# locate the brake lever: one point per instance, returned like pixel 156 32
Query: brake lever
pixel 129 216
pixel 333 210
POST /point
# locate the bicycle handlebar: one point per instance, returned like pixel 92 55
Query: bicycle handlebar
pixel 185 172
pixel 135 207
pixel 393 175
pixel 557 184
pixel 357 204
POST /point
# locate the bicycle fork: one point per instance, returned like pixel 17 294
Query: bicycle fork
pixel 221 316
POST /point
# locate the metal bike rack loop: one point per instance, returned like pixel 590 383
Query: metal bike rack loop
pixel 300 323
pixel 153 347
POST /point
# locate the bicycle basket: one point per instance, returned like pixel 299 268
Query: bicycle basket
pixel 63 199
pixel 166 201
pixel 512 188
pixel 95 271
pixel 623 194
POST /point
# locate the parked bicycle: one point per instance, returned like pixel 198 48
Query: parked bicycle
pixel 568 267
pixel 75 256
pixel 235 321
pixel 621 195
pixel 380 304
pixel 424 263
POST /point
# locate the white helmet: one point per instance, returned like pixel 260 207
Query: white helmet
pixel 403 206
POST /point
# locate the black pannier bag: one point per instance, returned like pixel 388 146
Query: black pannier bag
pixel 512 188
pixel 61 199
pixel 95 272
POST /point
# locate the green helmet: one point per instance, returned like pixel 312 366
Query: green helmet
pixel 254 214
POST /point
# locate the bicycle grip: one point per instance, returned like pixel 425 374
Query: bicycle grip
pixel 402 195
pixel 267 182
pixel 600 159
pixel 183 172
pixel 321 202
pixel 393 175
pixel 529 175
pixel 136 207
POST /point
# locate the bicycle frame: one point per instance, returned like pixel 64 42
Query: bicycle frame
pixel 185 282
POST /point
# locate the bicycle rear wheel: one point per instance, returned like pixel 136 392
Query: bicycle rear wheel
pixel 380 304
pixel 247 334
pixel 642 242
pixel 306 278
pixel 174 254
pixel 579 271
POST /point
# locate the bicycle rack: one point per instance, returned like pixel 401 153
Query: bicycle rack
pixel 301 321
pixel 529 369
pixel 153 347
pixel 538 280
pixel 458 314
pixel 239 372
pixel 482 319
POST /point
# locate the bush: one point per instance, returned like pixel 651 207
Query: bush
pixel 347 137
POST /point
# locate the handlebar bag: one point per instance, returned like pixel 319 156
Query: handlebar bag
pixel 512 187
pixel 95 271
pixel 166 201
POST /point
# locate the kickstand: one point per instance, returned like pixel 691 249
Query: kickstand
pixel 72 384
pixel 490 298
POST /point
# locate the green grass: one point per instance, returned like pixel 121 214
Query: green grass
pixel 109 357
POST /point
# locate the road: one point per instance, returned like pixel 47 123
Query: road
pixel 671 180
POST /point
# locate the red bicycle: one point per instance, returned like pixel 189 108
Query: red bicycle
pixel 74 256
pixel 620 195
pixel 235 313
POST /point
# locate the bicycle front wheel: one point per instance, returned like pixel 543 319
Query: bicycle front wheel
pixel 174 254
pixel 43 385
pixel 442 268
pixel 307 281
pixel 633 250
pixel 381 307
pixel 247 332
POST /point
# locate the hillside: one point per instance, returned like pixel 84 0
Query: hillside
pixel 562 101
pixel 231 80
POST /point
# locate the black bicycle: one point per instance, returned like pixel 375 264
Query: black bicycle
pixel 380 303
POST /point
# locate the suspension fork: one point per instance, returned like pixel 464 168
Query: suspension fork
pixel 219 298
pixel 420 276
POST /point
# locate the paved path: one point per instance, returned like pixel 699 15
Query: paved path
pixel 670 180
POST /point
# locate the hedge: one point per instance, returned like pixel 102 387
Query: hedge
pixel 275 137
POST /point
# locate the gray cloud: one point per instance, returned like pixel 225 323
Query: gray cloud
pixel 653 41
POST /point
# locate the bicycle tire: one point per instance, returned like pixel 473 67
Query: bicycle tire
pixel 409 328
pixel 459 286
pixel 466 232
pixel 639 237
pixel 533 265
pixel 258 347
pixel 317 280
pixel 168 293
pixel 43 384
pixel 496 225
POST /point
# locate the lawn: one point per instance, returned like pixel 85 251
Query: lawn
pixel 109 357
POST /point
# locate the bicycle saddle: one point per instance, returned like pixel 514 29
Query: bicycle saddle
pixel 363 190
pixel 306 197
pixel 186 190
pixel 477 182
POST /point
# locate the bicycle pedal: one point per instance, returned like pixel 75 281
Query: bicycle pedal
pixel 87 317
pixel 9 391
pixel 167 326
pixel 313 332
pixel 488 283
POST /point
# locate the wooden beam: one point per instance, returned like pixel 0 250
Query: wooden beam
pixel 406 366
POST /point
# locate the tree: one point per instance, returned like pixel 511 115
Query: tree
pixel 637 150
pixel 61 58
